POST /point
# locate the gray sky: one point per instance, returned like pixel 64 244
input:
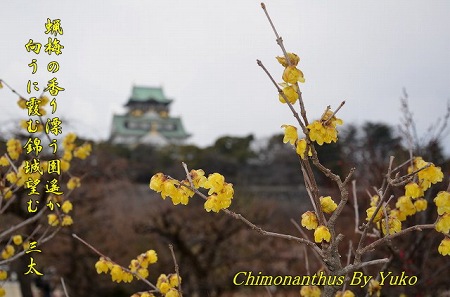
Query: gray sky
pixel 204 55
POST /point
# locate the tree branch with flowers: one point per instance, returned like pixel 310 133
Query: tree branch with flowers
pixel 385 215
pixel 399 197
pixel 24 200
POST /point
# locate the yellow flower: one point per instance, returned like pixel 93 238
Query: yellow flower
pixel 370 211
pixel 67 206
pixel 156 182
pixel 164 286
pixel 7 193
pixel 198 178
pixel 327 204
pixel 324 133
pixel 430 175
pixel 442 201
pixel 293 58
pixel 394 225
pixel 44 100
pixel 152 256
pixel 168 188
pixel 444 247
pixel 214 183
pixel 2 291
pixel 67 156
pixel 172 293
pixel 443 223
pixel 68 141
pixel 374 287
pixel 22 103
pixel 74 182
pixel 53 220
pixel 300 148
pixel 67 221
pixel 11 177
pixel 398 214
pixel 309 220
pixel 291 94
pixel 374 200
pixel 290 134
pixel 413 190
pixel 17 239
pixel 3 274
pixel 145 294
pixel 142 272
pixel 64 165
pixel 420 204
pixel 310 291
pixel 405 205
pixel 292 75
pixel 4 161
pixel 102 266
pixel 322 233
pixel 83 151
pixel 116 273
pixel 14 148
pixel 174 280
pixel 8 252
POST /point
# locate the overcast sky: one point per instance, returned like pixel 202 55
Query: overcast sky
pixel 204 54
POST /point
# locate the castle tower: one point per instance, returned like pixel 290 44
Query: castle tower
pixel 147 120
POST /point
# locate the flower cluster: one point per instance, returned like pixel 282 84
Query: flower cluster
pixel 311 222
pixel 324 130
pixel 442 201
pixel 57 217
pixel 291 136
pixel 220 192
pixel 139 266
pixel 117 272
pixel 14 245
pixel 291 76
pixel 168 284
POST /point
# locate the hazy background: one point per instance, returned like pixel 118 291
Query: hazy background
pixel 204 55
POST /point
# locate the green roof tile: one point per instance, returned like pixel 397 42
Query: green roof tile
pixel 142 94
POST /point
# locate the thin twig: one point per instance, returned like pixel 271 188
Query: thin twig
pixel 64 287
pixel 177 269
pixel 334 113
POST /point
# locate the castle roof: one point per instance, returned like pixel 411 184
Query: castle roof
pixel 141 94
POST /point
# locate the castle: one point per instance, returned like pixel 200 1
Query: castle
pixel 147 120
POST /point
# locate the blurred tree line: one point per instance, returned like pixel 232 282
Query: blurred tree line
pixel 116 212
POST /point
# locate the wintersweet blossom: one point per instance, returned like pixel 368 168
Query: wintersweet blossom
pixel 322 233
pixel 290 134
pixel 413 190
pixel 327 204
pixel 290 92
pixel 292 75
pixel 293 59
pixel 324 130
pixel 443 223
pixel 310 291
pixel 394 225
pixel 370 211
pixel 309 220
pixel 442 201
pixel 444 247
